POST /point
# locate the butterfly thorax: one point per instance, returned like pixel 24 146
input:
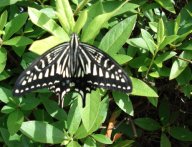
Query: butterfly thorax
pixel 74 46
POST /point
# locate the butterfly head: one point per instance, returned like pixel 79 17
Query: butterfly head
pixel 74 41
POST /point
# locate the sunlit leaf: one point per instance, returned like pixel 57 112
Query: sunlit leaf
pixel 42 132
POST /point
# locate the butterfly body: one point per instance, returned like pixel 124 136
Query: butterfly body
pixel 73 66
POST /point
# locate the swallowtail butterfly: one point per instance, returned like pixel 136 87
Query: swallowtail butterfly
pixel 73 66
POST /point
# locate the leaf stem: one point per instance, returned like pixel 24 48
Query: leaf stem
pixel 184 59
pixel 151 63
pixel 133 127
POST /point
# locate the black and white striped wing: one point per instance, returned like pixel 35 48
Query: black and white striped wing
pixel 101 71
pixel 73 66
pixel 44 72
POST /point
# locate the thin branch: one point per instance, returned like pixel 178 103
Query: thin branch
pixel 184 59
pixel 133 127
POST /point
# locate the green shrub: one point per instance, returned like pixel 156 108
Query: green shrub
pixel 150 39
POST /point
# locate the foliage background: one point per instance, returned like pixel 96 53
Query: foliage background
pixel 150 39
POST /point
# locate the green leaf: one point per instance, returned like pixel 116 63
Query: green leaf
pixel 102 138
pixel 142 89
pixel 164 71
pixel 117 36
pixel 167 4
pixel 90 112
pixel 142 69
pixel 14 25
pixel 121 59
pixel 76 2
pixel 74 118
pixel 41 46
pixel 153 26
pixel 5 94
pixel 101 115
pixel 80 21
pixel 93 11
pixel 160 32
pixel 42 132
pixel 73 144
pixel 2 66
pixel 164 112
pixel 90 142
pixel 54 110
pixel 186 89
pixel 41 115
pixel 128 7
pixel 109 6
pixel 65 15
pixel 19 50
pixel 154 74
pixel 4 3
pixel 14 121
pixel 3 20
pixel 182 134
pixel 18 41
pixel 7 109
pixel 9 140
pixel 123 101
pixel 29 104
pixel 153 101
pixel 140 61
pixel 186 45
pixel 81 132
pixel 177 24
pixel 164 57
pixel 149 41
pixel 184 77
pixel 49 11
pixel 137 42
pixel 27 59
pixel 43 21
pixel 179 65
pixel 148 124
pixel 97 121
pixel 167 40
pixel 183 36
pixel 4 75
pixel 96 24
pixel 165 141
pixel 3 57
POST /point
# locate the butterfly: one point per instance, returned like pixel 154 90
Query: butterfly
pixel 73 66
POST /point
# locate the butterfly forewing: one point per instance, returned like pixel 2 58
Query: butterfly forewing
pixel 103 71
pixel 43 72
pixel 73 66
